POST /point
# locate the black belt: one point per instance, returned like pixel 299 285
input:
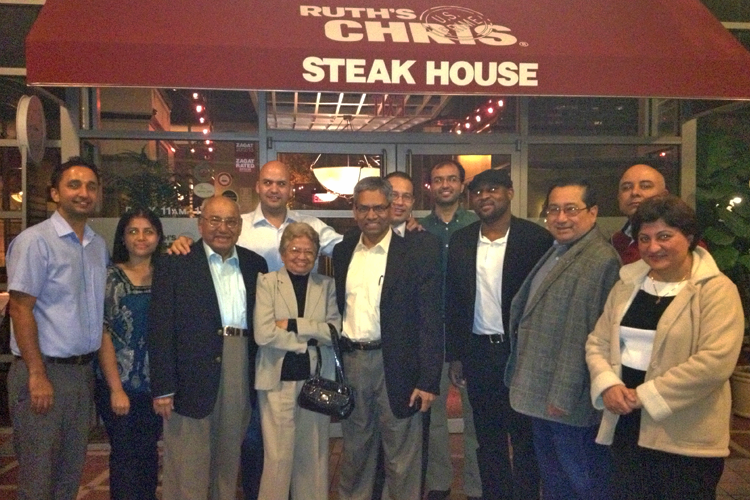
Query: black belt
pixel 81 359
pixel 233 331
pixel 497 338
pixel 348 345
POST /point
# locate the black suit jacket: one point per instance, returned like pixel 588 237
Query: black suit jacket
pixel 527 242
pixel 184 340
pixel 410 320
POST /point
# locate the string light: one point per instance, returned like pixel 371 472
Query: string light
pixel 486 115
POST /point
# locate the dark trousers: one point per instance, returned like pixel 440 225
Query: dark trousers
pixel 644 474
pixel 251 456
pixel 134 456
pixel 572 465
pixel 495 421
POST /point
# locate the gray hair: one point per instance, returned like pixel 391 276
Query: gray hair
pixel 374 184
pixel 299 230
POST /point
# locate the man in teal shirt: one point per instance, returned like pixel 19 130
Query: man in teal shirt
pixel 447 186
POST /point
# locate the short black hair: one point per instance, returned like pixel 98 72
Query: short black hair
pixel 73 161
pixel 673 211
pixel 119 251
pixel 589 195
pixel 400 175
pixel 452 163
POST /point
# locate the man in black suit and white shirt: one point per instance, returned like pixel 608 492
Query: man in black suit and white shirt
pixel 202 355
pixel 393 353
pixel 487 263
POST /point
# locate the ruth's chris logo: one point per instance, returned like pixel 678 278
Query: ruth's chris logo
pixel 443 25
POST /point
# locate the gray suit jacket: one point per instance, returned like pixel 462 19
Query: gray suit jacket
pixel 548 356
pixel 275 300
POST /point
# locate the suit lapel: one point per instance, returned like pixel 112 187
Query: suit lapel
pixel 314 293
pixel 393 266
pixel 286 292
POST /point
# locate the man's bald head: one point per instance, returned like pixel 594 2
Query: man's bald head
pixel 639 183
pixel 274 187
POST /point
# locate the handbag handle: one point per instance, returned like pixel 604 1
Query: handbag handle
pixel 336 354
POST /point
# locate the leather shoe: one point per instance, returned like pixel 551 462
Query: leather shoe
pixel 438 494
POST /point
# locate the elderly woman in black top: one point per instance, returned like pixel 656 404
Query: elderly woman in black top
pixel 293 311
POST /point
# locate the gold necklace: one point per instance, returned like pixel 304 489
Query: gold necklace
pixel 659 297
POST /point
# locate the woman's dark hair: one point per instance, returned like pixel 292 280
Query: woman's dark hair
pixel 120 252
pixel 673 211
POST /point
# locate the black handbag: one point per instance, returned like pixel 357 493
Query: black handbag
pixel 329 397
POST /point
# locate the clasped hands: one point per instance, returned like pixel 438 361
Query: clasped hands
pixel 620 400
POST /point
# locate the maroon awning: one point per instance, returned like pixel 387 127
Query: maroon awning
pixel 634 48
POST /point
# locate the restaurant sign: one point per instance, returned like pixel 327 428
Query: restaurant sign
pixel 445 25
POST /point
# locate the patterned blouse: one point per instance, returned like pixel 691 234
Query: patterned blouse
pixel 125 318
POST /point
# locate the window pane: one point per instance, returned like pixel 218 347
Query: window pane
pixel 583 116
pixel 9 229
pixel 333 111
pixel 177 110
pixel 173 177
pixel 601 165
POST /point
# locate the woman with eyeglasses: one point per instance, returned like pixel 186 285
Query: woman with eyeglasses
pixel 122 394
pixel 293 311
pixel 660 358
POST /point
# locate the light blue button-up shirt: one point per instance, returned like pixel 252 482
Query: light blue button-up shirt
pixel 229 286
pixel 67 277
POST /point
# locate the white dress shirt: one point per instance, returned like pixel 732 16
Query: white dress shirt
pixel 364 282
pixel 488 310
pixel 229 286
pixel 263 238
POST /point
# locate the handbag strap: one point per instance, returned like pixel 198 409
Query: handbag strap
pixel 336 353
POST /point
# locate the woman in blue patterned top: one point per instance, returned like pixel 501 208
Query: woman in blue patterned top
pixel 123 398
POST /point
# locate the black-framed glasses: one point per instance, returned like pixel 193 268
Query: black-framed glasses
pixel 214 222
pixel 569 211
pixel 378 209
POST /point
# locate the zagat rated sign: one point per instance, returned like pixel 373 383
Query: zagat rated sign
pixel 445 25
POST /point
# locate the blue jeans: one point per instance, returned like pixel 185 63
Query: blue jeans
pixel 572 466
pixel 134 457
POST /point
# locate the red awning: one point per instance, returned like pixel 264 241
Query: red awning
pixel 634 48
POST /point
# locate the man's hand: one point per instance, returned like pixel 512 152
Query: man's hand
pixel 41 392
pixel 456 374
pixel 164 406
pixel 120 402
pixel 554 411
pixel 424 399
pixel 413 225
pixel 180 246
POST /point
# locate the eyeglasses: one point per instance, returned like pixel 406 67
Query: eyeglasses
pixel 299 252
pixel 214 222
pixel 407 197
pixel 488 189
pixel 378 209
pixel 569 211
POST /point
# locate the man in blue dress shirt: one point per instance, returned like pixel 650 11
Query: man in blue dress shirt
pixel 56 276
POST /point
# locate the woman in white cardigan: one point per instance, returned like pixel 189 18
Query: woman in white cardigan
pixel 660 358
pixel 293 311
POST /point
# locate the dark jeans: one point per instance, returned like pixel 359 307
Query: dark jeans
pixel 495 421
pixel 572 465
pixel 134 458
pixel 251 456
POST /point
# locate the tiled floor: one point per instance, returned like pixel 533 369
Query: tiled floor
pixel 735 483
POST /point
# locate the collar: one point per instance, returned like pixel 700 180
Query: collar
pixel 483 240
pixel 62 228
pixel 381 245
pixel 457 215
pixel 257 218
pixel 400 229
pixel 210 254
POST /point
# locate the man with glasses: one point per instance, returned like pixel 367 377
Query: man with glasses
pixel 487 262
pixel 202 355
pixel 447 216
pixel 550 318
pixel 392 353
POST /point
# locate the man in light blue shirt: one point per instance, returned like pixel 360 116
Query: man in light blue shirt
pixel 56 276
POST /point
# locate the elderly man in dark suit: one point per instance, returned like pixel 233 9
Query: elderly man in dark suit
pixel 393 353
pixel 202 355
pixel 487 262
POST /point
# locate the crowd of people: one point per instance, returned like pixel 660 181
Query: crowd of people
pixel 580 377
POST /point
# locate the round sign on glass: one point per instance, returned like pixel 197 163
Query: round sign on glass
pixel 31 127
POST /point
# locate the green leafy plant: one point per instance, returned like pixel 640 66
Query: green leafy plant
pixel 723 207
